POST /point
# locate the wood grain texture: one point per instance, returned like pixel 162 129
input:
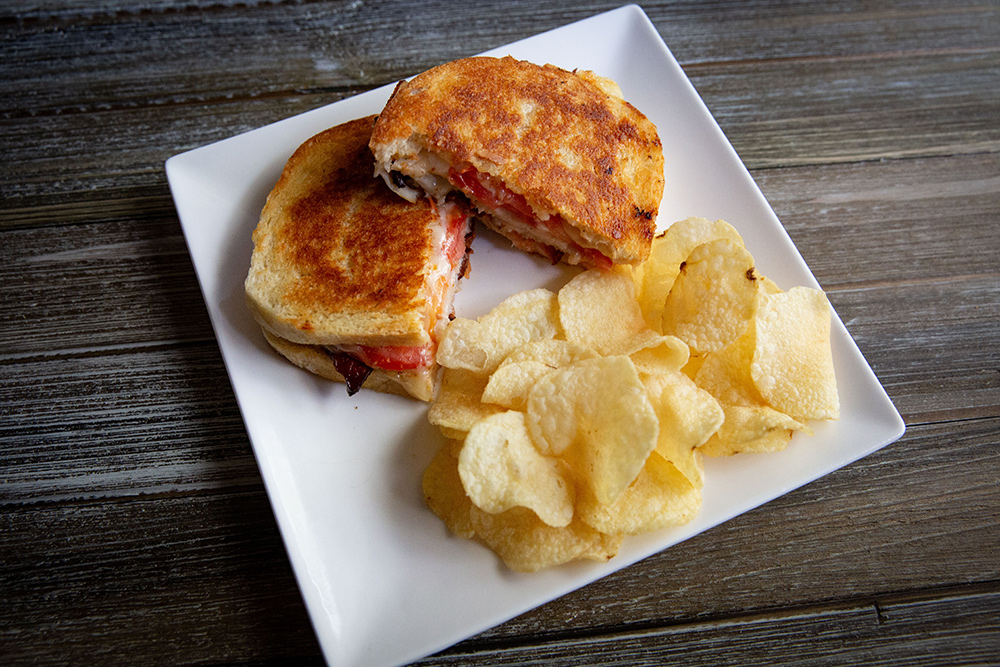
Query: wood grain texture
pixel 766 110
pixel 895 221
pixel 135 527
pixel 166 580
pixel 898 633
pixel 769 105
pixel 112 285
pixel 157 51
pixel 136 422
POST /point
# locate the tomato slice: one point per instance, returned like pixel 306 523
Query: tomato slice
pixel 490 192
pixel 395 357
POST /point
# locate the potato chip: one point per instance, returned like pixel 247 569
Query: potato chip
pixel 599 312
pixel 688 417
pixel 713 298
pixel 444 493
pixel 751 429
pixel 553 352
pixel 659 354
pixel 480 345
pixel 726 374
pixel 693 365
pixel 522 540
pixel 510 383
pixel 793 362
pixel 767 286
pixel 775 440
pixel 458 404
pixel 660 496
pixel 500 469
pixel 596 414
pixel 670 249
pixel 526 544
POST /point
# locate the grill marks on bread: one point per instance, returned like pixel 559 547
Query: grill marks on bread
pixel 348 257
pixel 338 257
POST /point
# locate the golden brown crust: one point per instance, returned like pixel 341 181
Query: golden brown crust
pixel 556 137
pixel 338 257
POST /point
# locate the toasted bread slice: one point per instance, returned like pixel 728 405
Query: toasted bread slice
pixel 556 160
pixel 342 264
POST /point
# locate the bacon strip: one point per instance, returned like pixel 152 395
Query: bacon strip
pixel 355 371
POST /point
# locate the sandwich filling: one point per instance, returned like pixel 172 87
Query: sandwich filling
pixel 508 212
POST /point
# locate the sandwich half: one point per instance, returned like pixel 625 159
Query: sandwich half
pixel 554 160
pixel 348 280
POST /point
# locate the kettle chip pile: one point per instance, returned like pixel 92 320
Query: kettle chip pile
pixel 575 419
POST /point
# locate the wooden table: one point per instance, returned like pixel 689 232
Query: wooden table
pixel 135 528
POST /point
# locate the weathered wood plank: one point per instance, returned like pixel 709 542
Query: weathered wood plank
pixel 171 580
pixel 115 54
pixel 155 421
pixel 959 629
pixel 140 420
pixel 857 224
pixel 80 161
pixel 933 345
pixel 844 536
pixel 910 307
pixel 777 113
pixel 79 288
pixel 703 32
pixel 136 419
pixel 915 220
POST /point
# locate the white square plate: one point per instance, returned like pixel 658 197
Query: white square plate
pixel 383 581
